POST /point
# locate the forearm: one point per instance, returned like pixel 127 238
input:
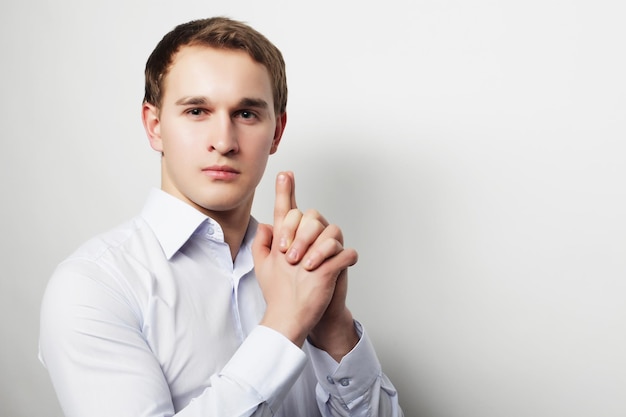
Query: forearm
pixel 337 336
pixel 101 363
pixel 118 382
pixel 256 379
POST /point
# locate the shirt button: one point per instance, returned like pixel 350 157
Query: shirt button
pixel 330 380
pixel 211 230
pixel 344 382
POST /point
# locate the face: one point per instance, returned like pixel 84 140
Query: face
pixel 215 129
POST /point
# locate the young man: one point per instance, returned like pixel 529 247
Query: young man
pixel 192 308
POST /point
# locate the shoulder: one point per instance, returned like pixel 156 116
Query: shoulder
pixel 110 241
pixel 100 277
pixel 108 262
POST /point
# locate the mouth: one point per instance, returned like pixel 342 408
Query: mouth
pixel 221 172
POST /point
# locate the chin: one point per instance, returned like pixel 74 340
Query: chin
pixel 222 205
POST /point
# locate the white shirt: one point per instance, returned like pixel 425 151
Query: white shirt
pixel 154 319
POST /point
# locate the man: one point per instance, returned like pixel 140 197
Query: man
pixel 192 308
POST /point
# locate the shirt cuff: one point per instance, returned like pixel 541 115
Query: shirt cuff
pixel 267 362
pixel 354 375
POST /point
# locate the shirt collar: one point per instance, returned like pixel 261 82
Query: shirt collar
pixel 172 220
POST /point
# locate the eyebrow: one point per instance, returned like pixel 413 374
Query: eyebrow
pixel 253 102
pixel 192 101
pixel 203 101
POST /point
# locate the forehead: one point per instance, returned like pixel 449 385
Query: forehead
pixel 203 70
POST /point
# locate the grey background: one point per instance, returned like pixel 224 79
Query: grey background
pixel 472 151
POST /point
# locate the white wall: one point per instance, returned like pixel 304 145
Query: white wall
pixel 473 152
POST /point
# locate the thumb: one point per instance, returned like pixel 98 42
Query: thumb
pixel 262 243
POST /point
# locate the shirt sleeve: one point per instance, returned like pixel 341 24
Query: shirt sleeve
pixel 356 386
pixel 101 365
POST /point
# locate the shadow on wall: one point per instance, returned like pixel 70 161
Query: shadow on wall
pixel 386 203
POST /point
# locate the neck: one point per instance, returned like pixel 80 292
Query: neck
pixel 234 231
pixel 234 223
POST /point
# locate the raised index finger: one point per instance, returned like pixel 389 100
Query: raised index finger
pixel 285 197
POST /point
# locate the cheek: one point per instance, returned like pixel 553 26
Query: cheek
pixel 179 139
pixel 262 151
pixel 260 160
pixel 265 140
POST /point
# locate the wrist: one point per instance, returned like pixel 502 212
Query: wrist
pixel 288 328
pixel 336 337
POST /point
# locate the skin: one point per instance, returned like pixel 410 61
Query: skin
pixel 215 129
pixel 216 113
pixel 305 299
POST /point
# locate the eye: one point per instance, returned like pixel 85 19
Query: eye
pixel 196 112
pixel 246 114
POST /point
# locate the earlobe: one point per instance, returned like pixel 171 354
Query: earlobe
pixel 281 121
pixel 152 125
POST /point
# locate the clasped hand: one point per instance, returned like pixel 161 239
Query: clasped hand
pixel 301 266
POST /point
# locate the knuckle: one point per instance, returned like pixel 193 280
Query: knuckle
pixel 312 213
pixel 292 219
pixel 335 230
pixel 294 212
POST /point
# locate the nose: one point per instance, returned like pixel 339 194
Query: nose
pixel 223 136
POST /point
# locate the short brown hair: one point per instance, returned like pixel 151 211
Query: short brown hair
pixel 221 33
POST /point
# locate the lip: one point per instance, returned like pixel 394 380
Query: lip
pixel 220 172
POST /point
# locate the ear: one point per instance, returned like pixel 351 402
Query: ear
pixel 281 121
pixel 152 125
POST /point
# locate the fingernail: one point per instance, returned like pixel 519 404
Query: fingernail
pixel 281 177
pixel 283 242
pixel 292 254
